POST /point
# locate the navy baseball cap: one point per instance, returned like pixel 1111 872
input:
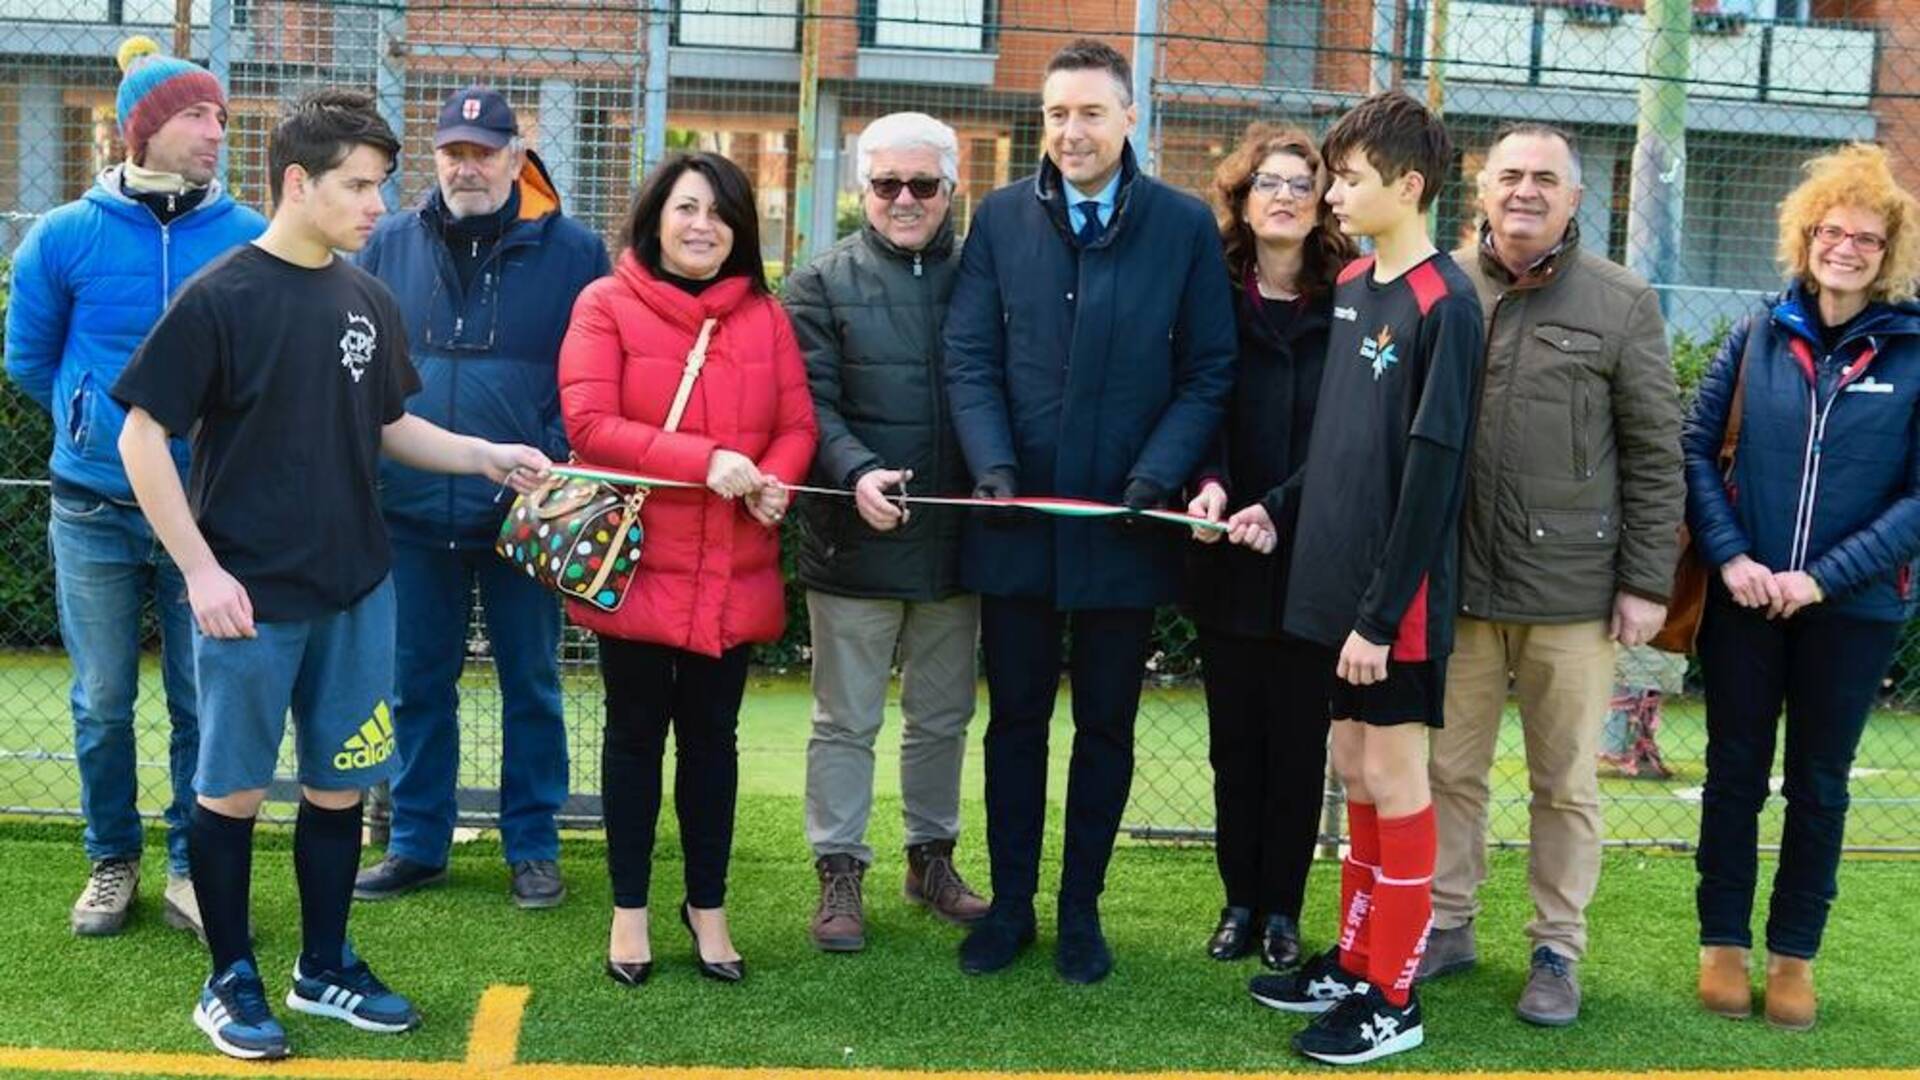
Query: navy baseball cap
pixel 476 115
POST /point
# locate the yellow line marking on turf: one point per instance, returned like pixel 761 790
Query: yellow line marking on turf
pixel 496 1027
pixel 495 1040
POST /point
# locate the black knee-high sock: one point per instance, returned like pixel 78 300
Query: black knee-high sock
pixel 220 858
pixel 326 856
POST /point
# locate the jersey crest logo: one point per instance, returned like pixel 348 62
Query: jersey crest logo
pixel 1379 349
pixel 356 345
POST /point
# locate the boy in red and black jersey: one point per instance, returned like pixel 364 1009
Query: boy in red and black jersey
pixel 1375 564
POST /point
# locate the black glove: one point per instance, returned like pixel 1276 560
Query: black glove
pixel 1141 494
pixel 997 483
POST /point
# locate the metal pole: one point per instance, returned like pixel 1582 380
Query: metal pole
pixel 801 220
pixel 1436 90
pixel 826 170
pixel 659 30
pixel 1658 197
pixel 1380 70
pixel 220 62
pixel 1146 50
pixel 183 29
pixel 390 85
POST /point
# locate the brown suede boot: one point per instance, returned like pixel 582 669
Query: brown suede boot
pixel 1726 987
pixel 933 882
pixel 1790 1001
pixel 840 922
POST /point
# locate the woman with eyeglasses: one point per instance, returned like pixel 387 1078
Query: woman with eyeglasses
pixel 1266 692
pixel 675 652
pixel 1812 535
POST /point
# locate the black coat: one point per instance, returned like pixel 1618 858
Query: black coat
pixel 868 315
pixel 1082 370
pixel 1261 457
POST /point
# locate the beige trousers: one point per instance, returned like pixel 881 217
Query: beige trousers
pixel 1563 678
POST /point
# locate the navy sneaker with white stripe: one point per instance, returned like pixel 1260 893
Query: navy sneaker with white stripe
pixel 233 1012
pixel 352 993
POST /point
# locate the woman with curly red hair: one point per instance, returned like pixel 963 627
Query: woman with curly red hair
pixel 1266 692
pixel 1813 534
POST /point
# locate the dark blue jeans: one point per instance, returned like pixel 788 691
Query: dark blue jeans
pixel 106 563
pixel 434 593
pixel 1826 671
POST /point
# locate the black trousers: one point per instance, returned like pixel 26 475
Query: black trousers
pixel 650 687
pixel 1267 739
pixel 1107 661
pixel 1826 671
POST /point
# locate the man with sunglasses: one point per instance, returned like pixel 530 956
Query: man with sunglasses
pixel 485 270
pixel 881 580
pixel 1568 540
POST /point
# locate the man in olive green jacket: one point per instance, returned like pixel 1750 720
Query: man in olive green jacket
pixel 1568 540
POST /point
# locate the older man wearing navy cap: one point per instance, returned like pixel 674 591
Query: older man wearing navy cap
pixel 486 269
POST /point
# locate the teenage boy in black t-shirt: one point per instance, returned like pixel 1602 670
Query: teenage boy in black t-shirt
pixel 1374 564
pixel 288 368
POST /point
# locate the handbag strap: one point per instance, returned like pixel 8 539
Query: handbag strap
pixel 1736 411
pixel 696 359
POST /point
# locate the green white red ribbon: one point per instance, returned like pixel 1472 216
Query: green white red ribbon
pixel 1059 507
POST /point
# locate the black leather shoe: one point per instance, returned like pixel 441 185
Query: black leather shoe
pixel 629 974
pixel 1081 956
pixel 394 876
pixel 1233 938
pixel 726 971
pixel 997 940
pixel 537 884
pixel 1280 943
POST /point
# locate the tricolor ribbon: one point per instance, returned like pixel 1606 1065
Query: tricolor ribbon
pixel 1081 508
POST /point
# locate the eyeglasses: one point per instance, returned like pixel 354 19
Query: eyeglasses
pixel 888 187
pixel 1864 242
pixel 1271 184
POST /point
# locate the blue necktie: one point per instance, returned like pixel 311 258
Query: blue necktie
pixel 1090 227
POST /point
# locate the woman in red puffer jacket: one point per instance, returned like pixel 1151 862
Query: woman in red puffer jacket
pixel 708 586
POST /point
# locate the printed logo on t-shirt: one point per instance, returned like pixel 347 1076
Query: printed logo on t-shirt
pixel 1346 314
pixel 1379 349
pixel 356 345
pixel 372 744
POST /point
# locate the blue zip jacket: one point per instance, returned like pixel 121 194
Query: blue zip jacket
pixel 90 279
pixel 487 356
pixel 1826 474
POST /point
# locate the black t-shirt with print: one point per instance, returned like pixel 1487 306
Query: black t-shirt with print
pixel 283 377
pixel 1377 546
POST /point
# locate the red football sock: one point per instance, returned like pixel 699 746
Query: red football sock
pixel 1357 873
pixel 1402 902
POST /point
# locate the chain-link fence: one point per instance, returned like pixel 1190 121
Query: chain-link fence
pixel 1692 124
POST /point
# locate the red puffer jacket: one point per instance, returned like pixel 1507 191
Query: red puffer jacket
pixel 709 574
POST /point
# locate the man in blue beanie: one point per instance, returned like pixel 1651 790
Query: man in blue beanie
pixel 89 280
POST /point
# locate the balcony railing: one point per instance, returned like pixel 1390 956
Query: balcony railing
pixel 1598 47
pixel 772 25
pixel 936 25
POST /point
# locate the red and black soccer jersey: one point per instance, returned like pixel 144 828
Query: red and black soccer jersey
pixel 1377 548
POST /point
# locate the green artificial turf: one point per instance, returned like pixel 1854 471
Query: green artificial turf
pixel 1172 780
pixel 903 1003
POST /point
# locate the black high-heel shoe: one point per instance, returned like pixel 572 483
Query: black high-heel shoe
pixel 1233 937
pixel 726 971
pixel 629 974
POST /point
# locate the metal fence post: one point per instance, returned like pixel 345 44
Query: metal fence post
pixel 1658 201
pixel 1146 36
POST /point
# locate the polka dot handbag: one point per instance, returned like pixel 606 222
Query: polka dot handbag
pixel 579 537
pixel 582 537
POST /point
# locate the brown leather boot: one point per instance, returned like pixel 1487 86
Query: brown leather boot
pixel 1726 987
pixel 933 882
pixel 840 922
pixel 1790 1001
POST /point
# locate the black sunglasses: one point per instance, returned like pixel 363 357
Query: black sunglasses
pixel 888 187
